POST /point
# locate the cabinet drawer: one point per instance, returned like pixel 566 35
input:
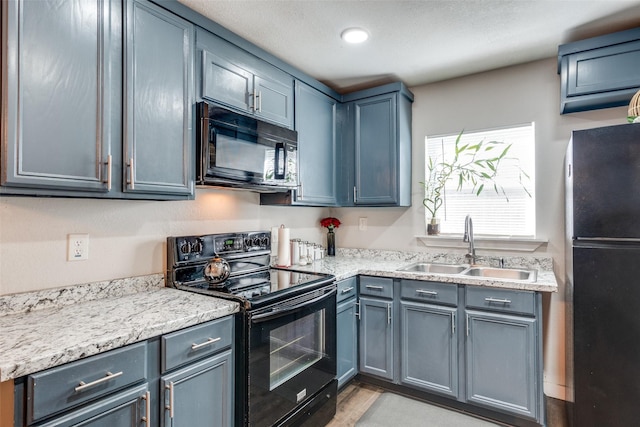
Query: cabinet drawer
pixel 66 386
pixel 347 288
pixel 432 292
pixel 502 300
pixel 376 286
pixel 196 342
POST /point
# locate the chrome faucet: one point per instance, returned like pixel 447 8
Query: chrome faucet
pixel 468 237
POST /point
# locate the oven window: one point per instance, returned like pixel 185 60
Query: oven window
pixel 295 346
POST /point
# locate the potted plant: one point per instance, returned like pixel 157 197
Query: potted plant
pixel 330 223
pixel 474 164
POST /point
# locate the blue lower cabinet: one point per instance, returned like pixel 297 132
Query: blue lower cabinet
pixel 376 337
pixel 129 408
pixel 347 341
pixel 200 394
pixel 429 348
pixel 501 363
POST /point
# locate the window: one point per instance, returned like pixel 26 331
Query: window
pixel 492 214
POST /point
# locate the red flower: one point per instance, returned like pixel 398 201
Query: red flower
pixel 330 223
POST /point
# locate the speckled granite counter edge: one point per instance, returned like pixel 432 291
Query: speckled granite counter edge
pixel 42 333
pixel 68 295
pixel 384 263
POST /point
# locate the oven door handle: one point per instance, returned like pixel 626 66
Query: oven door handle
pixel 276 312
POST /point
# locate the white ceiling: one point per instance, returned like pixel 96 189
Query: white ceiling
pixel 417 42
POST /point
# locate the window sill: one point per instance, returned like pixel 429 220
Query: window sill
pixel 520 244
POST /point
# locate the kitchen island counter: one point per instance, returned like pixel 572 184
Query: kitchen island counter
pixel 43 329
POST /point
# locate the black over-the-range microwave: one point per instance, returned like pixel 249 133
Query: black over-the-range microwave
pixel 234 150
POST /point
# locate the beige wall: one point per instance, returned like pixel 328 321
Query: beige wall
pixel 127 238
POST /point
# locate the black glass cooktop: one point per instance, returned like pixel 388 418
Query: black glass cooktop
pixel 264 287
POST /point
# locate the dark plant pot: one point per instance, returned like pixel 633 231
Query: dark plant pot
pixel 433 227
pixel 331 243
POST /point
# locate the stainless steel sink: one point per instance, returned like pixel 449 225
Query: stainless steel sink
pixel 435 268
pixel 502 273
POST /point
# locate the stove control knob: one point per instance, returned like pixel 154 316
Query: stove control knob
pixel 185 247
pixel 264 241
pixel 255 241
pixel 197 246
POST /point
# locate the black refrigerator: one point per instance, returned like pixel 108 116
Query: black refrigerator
pixel 603 274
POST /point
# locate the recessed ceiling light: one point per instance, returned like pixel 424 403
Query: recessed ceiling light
pixel 354 35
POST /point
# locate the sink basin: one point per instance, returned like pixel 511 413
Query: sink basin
pixel 502 273
pixel 426 267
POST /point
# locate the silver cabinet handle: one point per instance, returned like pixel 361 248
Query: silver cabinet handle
pixel 131 174
pixel 110 376
pixel 347 290
pixel 260 101
pixel 301 192
pixel 498 300
pixel 210 341
pixel 354 194
pixel 377 288
pixel 453 323
pixel 425 292
pixel 467 325
pixel 358 310
pixel 255 101
pixel 388 313
pixel 169 407
pixel 108 164
pixel 147 405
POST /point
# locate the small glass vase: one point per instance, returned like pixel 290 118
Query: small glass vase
pixel 433 227
pixel 331 243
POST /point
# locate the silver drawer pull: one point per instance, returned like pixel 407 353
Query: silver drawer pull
pixel 425 292
pixel 377 288
pixel 147 405
pixel 210 341
pixel 110 376
pixel 349 289
pixel 498 300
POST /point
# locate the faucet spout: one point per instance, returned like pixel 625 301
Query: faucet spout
pixel 468 237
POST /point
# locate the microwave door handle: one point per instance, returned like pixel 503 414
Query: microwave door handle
pixel 281 153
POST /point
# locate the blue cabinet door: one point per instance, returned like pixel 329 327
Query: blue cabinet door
pixel 158 82
pixel 347 341
pixel 600 72
pixel 376 337
pixel 57 102
pixel 129 408
pixel 501 353
pixel 429 347
pixel 375 147
pixel 375 151
pixel 200 394
pixel 233 78
pixel 315 121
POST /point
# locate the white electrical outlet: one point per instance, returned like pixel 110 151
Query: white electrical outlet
pixel 78 247
pixel 362 224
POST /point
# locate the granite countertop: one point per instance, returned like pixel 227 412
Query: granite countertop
pixel 43 329
pixel 351 262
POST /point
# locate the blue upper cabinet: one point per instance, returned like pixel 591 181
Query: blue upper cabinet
pixel 234 78
pixel 57 104
pixel 600 72
pixel 99 96
pixel 376 147
pixel 315 119
pixel 158 83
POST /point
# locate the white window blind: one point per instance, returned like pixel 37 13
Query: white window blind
pixel 492 214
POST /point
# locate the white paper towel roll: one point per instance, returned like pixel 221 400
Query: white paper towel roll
pixel 284 247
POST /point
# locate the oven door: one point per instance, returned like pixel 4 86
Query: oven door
pixel 292 354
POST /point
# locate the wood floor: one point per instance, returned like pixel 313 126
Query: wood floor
pixel 353 401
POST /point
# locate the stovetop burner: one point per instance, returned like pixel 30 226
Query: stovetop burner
pixel 248 254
